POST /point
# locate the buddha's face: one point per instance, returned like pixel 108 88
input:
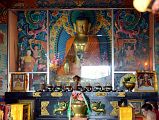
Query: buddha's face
pixel 82 27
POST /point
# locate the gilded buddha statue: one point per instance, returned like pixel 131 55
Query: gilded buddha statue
pixel 81 49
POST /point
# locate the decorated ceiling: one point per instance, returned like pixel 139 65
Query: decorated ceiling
pixel 65 3
pixel 61 4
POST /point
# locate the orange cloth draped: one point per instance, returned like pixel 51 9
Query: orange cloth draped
pixel 91 49
pixel 126 113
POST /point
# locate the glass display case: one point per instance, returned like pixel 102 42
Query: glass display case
pixel 96 45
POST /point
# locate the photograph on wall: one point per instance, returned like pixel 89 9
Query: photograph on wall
pixel 18 82
pixel 35 81
pixel 146 81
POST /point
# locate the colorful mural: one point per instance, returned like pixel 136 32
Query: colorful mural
pixel 131 37
pixel 32 35
pixel 3 16
pixel 131 40
pixel 36 80
pixel 3 59
pixel 156 34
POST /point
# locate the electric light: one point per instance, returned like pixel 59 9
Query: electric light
pixel 141 5
pixel 145 63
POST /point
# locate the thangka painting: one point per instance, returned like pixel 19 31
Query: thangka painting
pixel 3 59
pixel 32 41
pixel 131 41
pixel 62 30
pixel 156 27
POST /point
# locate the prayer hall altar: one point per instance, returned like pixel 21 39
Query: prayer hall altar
pixel 78 59
pixel 54 105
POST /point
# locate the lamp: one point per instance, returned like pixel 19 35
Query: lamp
pixel 142 5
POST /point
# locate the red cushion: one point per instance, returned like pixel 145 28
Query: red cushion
pixel 138 118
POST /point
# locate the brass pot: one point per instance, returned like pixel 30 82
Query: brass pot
pixel 79 109
pixel 129 86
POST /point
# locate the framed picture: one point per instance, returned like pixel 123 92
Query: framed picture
pixel 136 104
pixel 35 81
pixel 18 82
pixel 146 81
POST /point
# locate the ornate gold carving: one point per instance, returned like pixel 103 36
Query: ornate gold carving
pixel 44 105
pixel 121 94
pixel 36 94
pixel 101 94
pixel 115 110
pixel 62 106
pixel 56 94
pixel 98 107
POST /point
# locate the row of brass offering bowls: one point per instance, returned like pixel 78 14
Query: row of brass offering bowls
pixel 50 88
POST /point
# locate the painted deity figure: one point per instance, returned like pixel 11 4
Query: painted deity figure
pixel 81 49
pixel 18 85
pixel 147 81
pixel 36 54
pixel 130 57
pixel 36 51
pixel 28 62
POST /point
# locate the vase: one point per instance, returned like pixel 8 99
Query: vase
pixel 79 109
pixel 129 86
